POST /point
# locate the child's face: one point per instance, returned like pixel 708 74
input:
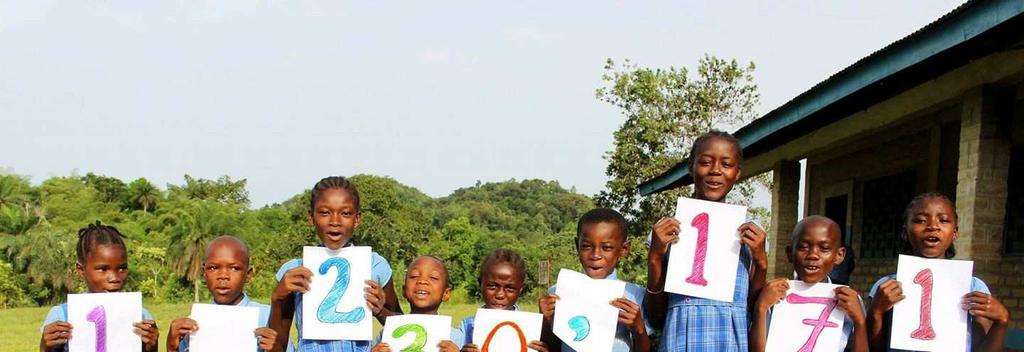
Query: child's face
pixel 226 271
pixel 715 169
pixel 501 286
pixel 335 217
pixel 816 250
pixel 600 247
pixel 931 228
pixel 105 268
pixel 426 285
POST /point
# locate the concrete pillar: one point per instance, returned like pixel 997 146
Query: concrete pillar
pixel 982 178
pixel 785 200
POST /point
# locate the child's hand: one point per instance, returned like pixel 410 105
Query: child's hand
pixel 150 334
pixel 547 306
pixel 470 348
pixel 447 346
pixel 849 301
pixel 375 297
pixel 889 293
pixel 629 314
pixel 538 346
pixel 56 334
pixel 666 232
pixel 294 280
pixel 179 328
pixel 381 347
pixel 773 292
pixel 754 237
pixel 984 305
pixel 266 338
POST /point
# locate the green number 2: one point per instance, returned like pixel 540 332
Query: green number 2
pixel 421 336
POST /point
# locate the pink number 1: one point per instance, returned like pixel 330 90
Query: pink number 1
pixel 98 316
pixel 924 330
pixel 700 222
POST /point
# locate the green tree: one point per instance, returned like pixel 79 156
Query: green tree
pixel 665 110
pixel 16 220
pixel 191 224
pixel 222 190
pixel 142 195
pixel 111 190
pixel 14 190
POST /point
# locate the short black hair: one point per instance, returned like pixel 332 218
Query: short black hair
pixel 799 228
pixel 698 145
pixel 503 256
pixel 600 215
pixel 908 215
pixel 444 268
pixel 95 235
pixel 330 182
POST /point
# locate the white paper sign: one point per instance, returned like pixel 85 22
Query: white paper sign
pixel 335 306
pixel 505 330
pixel 103 321
pixel 703 262
pixel 584 317
pixel 930 318
pixel 417 332
pixel 808 319
pixel 224 328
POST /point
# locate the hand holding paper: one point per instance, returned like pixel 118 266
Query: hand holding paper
pixel 702 263
pixel 931 317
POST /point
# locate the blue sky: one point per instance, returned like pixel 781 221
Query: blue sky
pixel 435 94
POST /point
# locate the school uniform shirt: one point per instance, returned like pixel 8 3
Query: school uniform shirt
pixel 847 323
pixel 976 285
pixel 380 271
pixel 60 313
pixel 623 336
pixel 466 327
pixel 245 302
pixel 701 324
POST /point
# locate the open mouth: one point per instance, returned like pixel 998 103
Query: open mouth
pixel 932 241
pixel 713 184
pixel 810 269
pixel 421 293
pixel 335 236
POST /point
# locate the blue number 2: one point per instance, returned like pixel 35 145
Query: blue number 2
pixel 326 312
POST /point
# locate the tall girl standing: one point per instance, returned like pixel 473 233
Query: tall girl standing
pixel 693 323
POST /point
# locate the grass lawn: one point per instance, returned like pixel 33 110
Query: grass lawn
pixel 19 328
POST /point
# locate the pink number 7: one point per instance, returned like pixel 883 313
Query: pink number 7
pixel 819 324
pixel 700 222
pixel 924 330
pixel 98 316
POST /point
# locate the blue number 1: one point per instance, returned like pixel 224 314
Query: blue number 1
pixel 326 312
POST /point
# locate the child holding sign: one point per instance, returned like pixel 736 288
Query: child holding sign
pixel 426 287
pixel 600 243
pixel 226 270
pixel 103 263
pixel 502 280
pixel 930 223
pixel 815 247
pixel 334 213
pixel 693 323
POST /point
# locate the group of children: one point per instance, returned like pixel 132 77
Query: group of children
pixel 686 323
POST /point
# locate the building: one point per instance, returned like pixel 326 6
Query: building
pixel 939 110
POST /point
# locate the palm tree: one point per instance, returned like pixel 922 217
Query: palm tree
pixel 193 223
pixel 143 194
pixel 17 220
pixel 13 190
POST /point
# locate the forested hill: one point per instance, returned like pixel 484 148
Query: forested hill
pixel 167 230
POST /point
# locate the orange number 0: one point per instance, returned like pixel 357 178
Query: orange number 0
pixel 519 332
